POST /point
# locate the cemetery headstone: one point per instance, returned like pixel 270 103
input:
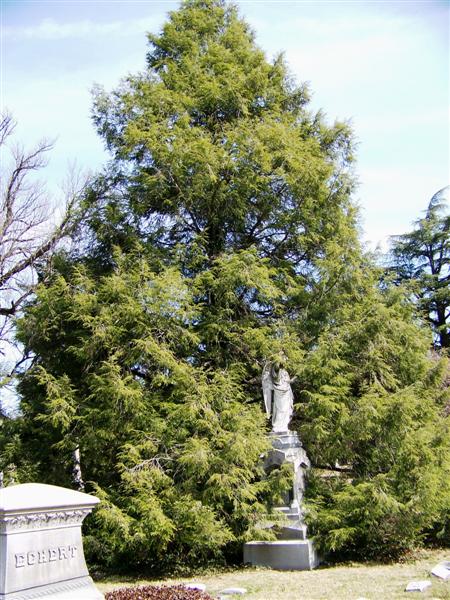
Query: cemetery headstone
pixel 442 570
pixel 41 548
pixel 417 586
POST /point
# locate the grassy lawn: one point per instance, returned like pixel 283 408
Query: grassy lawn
pixel 350 581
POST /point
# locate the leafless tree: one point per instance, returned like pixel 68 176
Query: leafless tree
pixel 29 231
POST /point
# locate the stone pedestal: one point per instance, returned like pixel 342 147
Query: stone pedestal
pixel 283 555
pixel 41 549
pixel 292 550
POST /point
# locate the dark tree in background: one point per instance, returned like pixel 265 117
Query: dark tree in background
pixel 422 257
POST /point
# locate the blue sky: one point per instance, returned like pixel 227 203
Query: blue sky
pixel 382 65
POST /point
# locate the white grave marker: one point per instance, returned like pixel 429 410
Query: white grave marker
pixel 41 549
pixel 442 570
pixel 417 586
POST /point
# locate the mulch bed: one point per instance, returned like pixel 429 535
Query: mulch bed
pixel 154 592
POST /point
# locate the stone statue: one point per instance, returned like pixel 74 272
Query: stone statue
pixel 278 397
pixel 290 548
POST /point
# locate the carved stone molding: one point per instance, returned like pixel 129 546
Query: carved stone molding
pixel 43 520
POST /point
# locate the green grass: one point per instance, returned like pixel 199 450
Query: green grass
pixel 349 581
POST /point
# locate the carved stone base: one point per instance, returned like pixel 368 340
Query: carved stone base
pixel 75 589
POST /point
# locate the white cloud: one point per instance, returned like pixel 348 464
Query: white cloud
pixel 393 197
pixel 410 118
pixel 353 25
pixel 436 117
pixel 350 60
pixel 50 29
pixel 338 49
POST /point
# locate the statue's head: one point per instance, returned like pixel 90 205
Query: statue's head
pixel 277 365
pixel 279 362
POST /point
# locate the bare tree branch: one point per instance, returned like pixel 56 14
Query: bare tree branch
pixel 29 229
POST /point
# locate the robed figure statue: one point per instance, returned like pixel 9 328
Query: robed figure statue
pixel 278 397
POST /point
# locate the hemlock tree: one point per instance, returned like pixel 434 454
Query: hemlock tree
pixel 221 234
pixel 422 257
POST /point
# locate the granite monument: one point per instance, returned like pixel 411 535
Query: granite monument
pixel 292 550
pixel 41 549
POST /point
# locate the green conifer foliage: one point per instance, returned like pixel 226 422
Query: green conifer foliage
pixel 171 448
pixel 221 235
pixel 422 258
pixel 376 423
pixel 217 146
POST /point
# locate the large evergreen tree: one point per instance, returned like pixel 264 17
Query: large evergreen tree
pixel 217 149
pixel 221 234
